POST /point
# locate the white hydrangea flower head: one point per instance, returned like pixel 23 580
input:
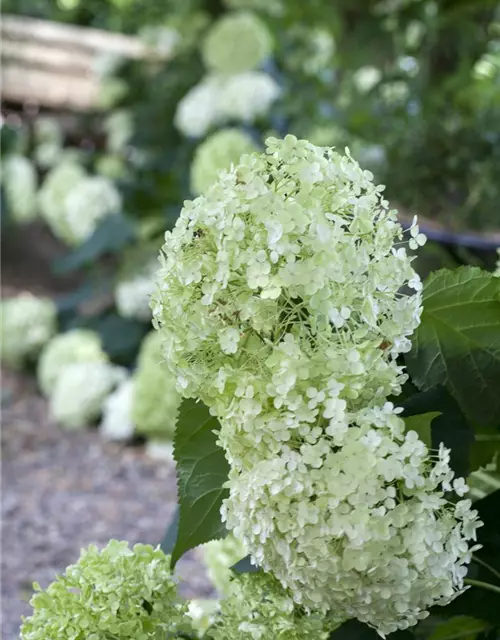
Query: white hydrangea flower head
pixel 218 557
pixel 77 345
pixel 27 324
pixel 270 7
pixel 358 524
pixel 218 152
pixel 238 41
pixel 155 403
pixel 20 187
pixel 312 49
pixel 133 293
pixel 197 111
pixel 59 182
pixel 116 423
pixel 247 96
pixel 91 200
pixel 288 261
pixel 217 99
pixel 257 608
pixel 280 302
pixel 80 391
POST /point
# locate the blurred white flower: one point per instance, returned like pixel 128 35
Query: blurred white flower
pixel 27 323
pixel 19 181
pixel 116 423
pixel 77 345
pixel 218 152
pixel 238 41
pixel 242 97
pixel 59 182
pixel 80 391
pixel 91 200
pixel 365 78
pixel 133 293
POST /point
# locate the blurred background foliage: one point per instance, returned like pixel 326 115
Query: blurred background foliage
pixel 411 86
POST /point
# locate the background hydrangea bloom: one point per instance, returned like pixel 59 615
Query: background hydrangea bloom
pixel 155 402
pixel 80 391
pixel 118 592
pixel 116 423
pixel 133 292
pixel 19 181
pixel 58 184
pixel 216 153
pixel 237 42
pixel 27 323
pixel 217 99
pixel 77 345
pixel 89 201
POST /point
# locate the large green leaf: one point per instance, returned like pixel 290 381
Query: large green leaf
pixel 202 470
pixel 458 341
pixel 451 427
pixel 458 628
pixel 421 423
pixel 111 235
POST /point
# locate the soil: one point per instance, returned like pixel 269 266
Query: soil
pixel 65 490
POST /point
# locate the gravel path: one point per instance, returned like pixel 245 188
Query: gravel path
pixel 65 490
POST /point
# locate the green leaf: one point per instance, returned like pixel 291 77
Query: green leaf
pixel 459 627
pixel 245 566
pixel 421 423
pixel 111 235
pixel 202 470
pixel 458 341
pixel 451 427
pixel 486 446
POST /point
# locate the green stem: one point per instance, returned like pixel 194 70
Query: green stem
pixel 486 566
pixel 482 585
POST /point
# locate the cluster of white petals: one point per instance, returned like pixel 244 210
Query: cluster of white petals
pixel 91 200
pixel 77 345
pixel 218 152
pixel 117 423
pixel 217 99
pixel 133 293
pixel 80 391
pixel 218 557
pixel 57 186
pixel 19 181
pixel 281 307
pixel 27 323
pixel 239 41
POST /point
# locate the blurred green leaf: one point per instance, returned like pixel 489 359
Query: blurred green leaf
pixel 112 234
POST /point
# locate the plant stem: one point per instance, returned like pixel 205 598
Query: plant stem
pixel 482 585
pixel 486 566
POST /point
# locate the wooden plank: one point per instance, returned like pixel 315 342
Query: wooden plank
pixel 56 65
